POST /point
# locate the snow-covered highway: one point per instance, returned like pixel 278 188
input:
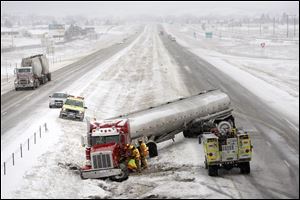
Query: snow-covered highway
pixel 146 70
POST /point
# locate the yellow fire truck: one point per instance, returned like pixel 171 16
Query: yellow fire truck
pixel 226 148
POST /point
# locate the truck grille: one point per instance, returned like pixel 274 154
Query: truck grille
pixel 102 161
pixel 23 81
pixel 58 102
pixel 72 111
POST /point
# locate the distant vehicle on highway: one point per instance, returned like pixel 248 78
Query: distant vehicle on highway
pixel 57 99
pixel 172 38
pixel 34 71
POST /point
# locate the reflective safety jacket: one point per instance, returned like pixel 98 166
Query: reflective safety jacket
pixel 135 153
pixel 144 151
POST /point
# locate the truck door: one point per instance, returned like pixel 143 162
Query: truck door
pixel 212 150
pixel 245 148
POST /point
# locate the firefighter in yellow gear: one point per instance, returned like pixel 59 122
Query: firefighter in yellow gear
pixel 144 152
pixel 131 165
pixel 135 154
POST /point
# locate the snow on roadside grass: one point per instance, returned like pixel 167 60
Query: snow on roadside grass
pixel 278 99
pixel 19 135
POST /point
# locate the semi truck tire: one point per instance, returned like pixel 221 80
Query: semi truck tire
pixel 37 83
pixel 213 170
pixel 187 133
pixel 152 149
pixel 123 176
pixel 49 76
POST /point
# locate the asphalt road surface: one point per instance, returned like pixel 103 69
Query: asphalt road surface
pixel 275 166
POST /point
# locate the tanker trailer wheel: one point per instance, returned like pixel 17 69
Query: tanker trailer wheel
pixel 152 149
pixel 49 76
pixel 188 134
pixel 37 84
pixel 123 176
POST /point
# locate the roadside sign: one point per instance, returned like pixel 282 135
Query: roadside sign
pixel 208 34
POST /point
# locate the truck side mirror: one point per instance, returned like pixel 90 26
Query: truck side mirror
pixel 83 141
pixel 15 70
pixel 199 139
pixel 122 138
pixel 85 107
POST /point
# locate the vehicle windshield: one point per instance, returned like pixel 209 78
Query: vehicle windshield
pixel 59 95
pixel 104 139
pixel 73 102
pixel 22 70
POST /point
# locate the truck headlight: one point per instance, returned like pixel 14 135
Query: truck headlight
pixel 31 81
pixel 88 163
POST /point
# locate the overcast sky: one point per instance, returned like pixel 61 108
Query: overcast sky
pixel 121 8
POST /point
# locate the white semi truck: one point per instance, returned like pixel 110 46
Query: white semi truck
pixel 34 71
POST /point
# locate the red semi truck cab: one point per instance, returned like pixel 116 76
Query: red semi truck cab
pixel 104 148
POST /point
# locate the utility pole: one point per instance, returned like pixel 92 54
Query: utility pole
pixel 260 27
pixel 294 25
pixel 287 26
pixel 273 26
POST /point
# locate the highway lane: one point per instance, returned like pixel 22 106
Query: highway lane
pixel 16 105
pixel 275 166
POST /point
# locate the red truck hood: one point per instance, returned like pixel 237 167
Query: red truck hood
pixel 104 147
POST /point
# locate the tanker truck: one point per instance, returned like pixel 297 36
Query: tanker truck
pixel 34 71
pixel 105 139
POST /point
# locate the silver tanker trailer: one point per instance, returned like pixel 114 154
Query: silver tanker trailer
pixel 191 115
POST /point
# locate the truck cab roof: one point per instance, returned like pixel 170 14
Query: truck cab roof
pixel 209 136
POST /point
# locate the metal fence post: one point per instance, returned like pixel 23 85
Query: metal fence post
pixel 13 158
pixel 40 129
pixel 4 167
pixel 28 143
pixel 21 150
pixel 34 137
pixel 46 129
